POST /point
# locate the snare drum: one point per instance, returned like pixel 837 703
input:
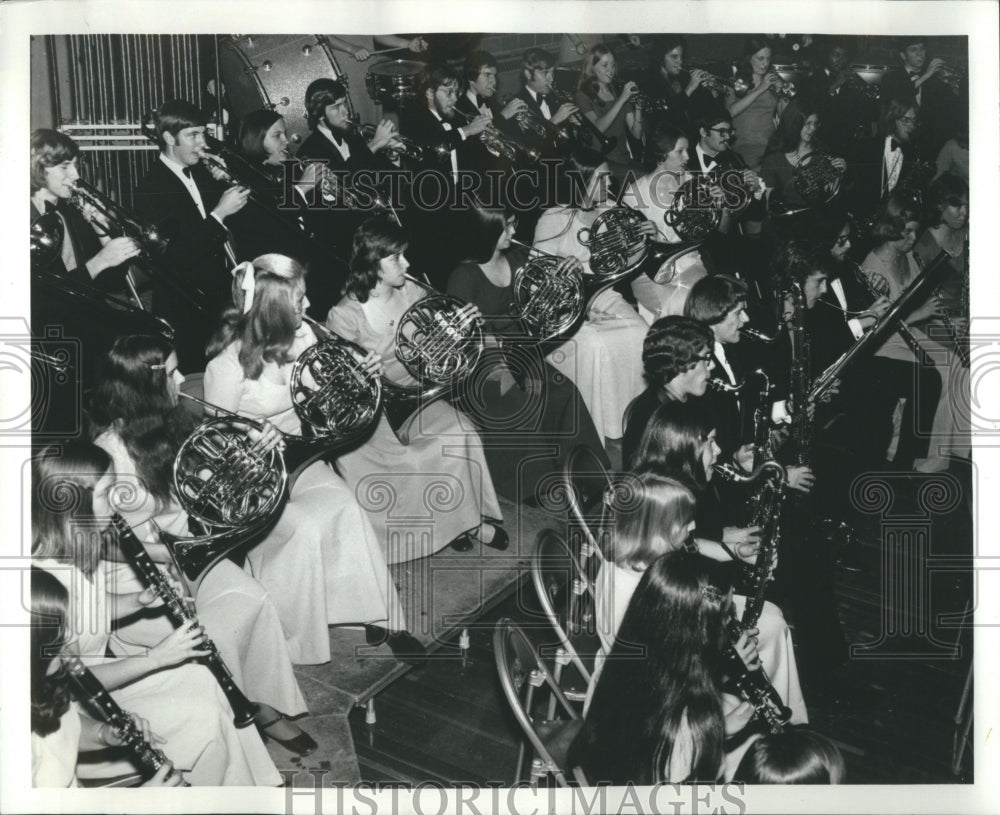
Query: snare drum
pixel 872 74
pixel 273 71
pixel 395 81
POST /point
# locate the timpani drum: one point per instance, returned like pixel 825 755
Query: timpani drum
pixel 872 74
pixel 395 81
pixel 791 72
pixel 273 71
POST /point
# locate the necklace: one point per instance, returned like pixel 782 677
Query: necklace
pixel 382 311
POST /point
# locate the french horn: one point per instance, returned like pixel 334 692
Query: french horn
pixel 616 242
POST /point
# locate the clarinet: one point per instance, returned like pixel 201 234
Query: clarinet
pixel 800 380
pixel 754 686
pixel 244 711
pixel 95 696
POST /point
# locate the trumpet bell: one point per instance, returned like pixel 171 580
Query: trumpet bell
pixel 223 479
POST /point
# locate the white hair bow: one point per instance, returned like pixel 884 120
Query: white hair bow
pixel 248 285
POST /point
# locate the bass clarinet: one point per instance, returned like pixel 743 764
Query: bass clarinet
pixel 244 711
pixel 96 697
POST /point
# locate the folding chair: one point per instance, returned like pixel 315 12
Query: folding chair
pixel 522 673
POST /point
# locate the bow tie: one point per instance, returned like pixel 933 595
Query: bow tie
pixel 480 101
pixel 914 75
pixel 186 171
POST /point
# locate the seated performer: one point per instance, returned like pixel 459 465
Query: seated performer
pixel 182 701
pixel 322 563
pixel 142 427
pixel 530 416
pixel 179 191
pixel 441 451
pixel 602 356
pixel 60 730
pixel 664 717
pixel 653 195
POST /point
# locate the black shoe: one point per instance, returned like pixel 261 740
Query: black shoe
pixel 404 646
pixel 463 543
pixel 303 744
pixel 501 540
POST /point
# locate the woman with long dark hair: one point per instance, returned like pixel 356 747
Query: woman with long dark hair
pixel 60 730
pixel 679 442
pixel 322 563
pixel 142 428
pixel 529 415
pixel 797 136
pixel 70 514
pixel 657 709
pixel 454 490
pixel 603 355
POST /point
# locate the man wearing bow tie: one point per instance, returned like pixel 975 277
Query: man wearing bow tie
pixel 179 192
pixel 538 76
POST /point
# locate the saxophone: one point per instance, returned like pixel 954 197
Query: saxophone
pixel 96 697
pixel 244 711
pixel 754 686
pixel 766 510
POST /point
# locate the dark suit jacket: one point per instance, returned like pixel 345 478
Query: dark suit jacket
pixel 829 333
pixel 195 257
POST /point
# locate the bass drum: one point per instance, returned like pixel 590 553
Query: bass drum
pixel 273 71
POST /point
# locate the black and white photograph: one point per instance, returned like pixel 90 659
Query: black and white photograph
pixel 453 413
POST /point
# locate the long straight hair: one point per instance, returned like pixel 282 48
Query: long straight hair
pixel 651 513
pixel 267 330
pixel 132 380
pixel 642 705
pixel 49 633
pixel 673 441
pixel 62 504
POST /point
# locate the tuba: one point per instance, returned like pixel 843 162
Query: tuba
pixel 437 348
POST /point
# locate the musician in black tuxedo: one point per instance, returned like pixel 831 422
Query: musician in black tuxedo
pixel 451 182
pixel 538 84
pixel 181 196
pixel 84 255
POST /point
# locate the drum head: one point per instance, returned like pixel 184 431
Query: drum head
pixel 273 71
pixel 394 81
pixel 872 74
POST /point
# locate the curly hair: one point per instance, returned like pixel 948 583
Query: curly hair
pixel 796 260
pixel 267 330
pixel 672 346
pixel 50 695
pixel 320 94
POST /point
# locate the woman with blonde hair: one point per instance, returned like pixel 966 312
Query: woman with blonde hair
pixel 322 562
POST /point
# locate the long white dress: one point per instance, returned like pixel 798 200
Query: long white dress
pixel 235 609
pixel 615 587
pixel 424 494
pixel 184 705
pixel 653 195
pixel 322 564
pixel 603 357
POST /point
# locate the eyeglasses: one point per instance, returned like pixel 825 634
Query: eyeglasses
pixel 907 120
pixel 722 131
pixel 704 359
pixel 843 240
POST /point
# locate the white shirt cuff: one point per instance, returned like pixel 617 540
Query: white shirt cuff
pixel 780 414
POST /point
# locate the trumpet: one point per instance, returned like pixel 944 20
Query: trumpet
pixel 505 147
pixel 711 82
pixel 405 147
pixel 332 189
pixel 952 76
pixel 605 143
pixel 536 124
pixel 785 89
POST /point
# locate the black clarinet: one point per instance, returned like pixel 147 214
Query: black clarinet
pixel 96 697
pixel 244 711
pixel 754 686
